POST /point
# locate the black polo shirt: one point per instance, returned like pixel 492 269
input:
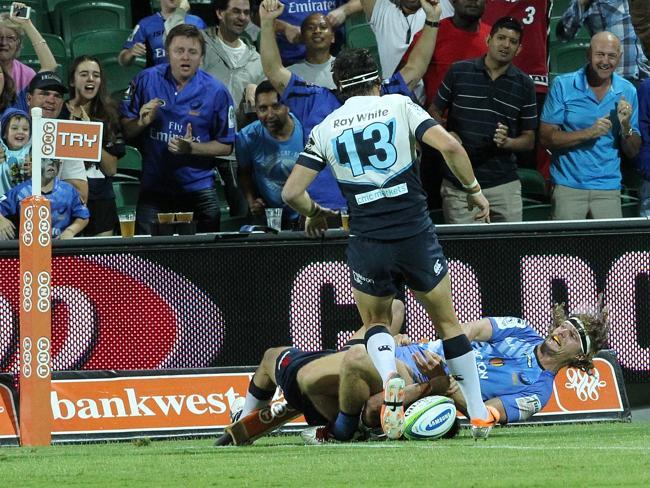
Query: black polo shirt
pixel 475 104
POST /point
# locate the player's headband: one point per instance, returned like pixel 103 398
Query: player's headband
pixel 585 340
pixel 355 80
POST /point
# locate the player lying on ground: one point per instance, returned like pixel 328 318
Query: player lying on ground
pixel 517 369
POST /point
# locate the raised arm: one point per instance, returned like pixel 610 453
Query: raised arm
pixel 45 57
pixel 420 57
pixel 277 74
pixel 368 6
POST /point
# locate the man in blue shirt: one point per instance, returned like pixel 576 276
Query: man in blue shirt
pixel 69 214
pixel 148 36
pixel 182 118
pixel 266 152
pixel 589 115
pixel 644 154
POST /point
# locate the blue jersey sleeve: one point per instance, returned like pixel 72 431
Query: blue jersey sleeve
pixel 139 34
pixel 9 203
pixel 133 100
pixel 503 327
pixel 223 129
pixel 525 403
pixel 395 85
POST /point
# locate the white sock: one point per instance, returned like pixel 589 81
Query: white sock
pixel 465 366
pixel 381 349
pixel 251 403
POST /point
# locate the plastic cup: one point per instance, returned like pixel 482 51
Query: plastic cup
pixel 345 219
pixel 274 218
pixel 165 218
pixel 184 216
pixel 127 224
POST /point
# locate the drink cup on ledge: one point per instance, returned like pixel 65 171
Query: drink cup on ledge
pixel 345 219
pixel 165 218
pixel 127 224
pixel 184 216
pixel 274 218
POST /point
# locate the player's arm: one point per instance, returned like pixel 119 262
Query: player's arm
pixel 478 330
pixel 420 57
pixel 460 165
pixel 277 74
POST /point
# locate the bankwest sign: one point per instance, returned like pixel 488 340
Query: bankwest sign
pixel 198 402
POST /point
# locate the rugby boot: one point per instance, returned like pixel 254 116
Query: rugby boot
pixel 392 411
pixel 481 428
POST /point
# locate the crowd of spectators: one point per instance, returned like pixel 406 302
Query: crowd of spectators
pixel 229 101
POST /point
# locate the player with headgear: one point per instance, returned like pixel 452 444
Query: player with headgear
pixel 370 145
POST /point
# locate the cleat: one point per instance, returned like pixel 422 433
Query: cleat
pixel 224 440
pixel 315 436
pixel 236 409
pixel 392 411
pixel 481 428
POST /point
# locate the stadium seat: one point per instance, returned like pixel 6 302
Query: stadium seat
pixel 362 36
pixel 56 45
pixel 126 195
pixel 358 18
pixel 581 35
pixel 72 17
pixel 117 76
pixel 99 42
pixel 538 212
pixel 533 185
pixel 129 166
pixel 570 56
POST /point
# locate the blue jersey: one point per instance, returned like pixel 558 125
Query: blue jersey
pixel 204 102
pixel 150 31
pixel 507 367
pixel 66 205
pixel 311 104
pixel 369 143
pixel 270 160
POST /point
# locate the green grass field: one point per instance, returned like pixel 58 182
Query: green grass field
pixel 605 454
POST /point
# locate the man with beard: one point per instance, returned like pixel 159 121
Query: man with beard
pixel 589 116
pixel 266 152
pixel 491 109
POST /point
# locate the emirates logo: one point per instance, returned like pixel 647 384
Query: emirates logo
pixel 586 386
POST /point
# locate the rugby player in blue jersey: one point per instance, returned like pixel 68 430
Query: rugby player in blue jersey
pixel 182 118
pixel 517 367
pixel 311 103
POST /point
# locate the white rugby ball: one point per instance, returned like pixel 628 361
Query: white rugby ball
pixel 429 418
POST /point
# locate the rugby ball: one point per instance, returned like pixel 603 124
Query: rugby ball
pixel 429 418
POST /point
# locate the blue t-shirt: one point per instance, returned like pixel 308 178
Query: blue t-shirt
pixel 204 102
pixel 311 104
pixel 295 13
pixel 150 31
pixel 572 105
pixel 66 205
pixel 271 160
pixel 507 367
pixel 644 124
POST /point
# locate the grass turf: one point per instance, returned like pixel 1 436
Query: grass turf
pixel 603 454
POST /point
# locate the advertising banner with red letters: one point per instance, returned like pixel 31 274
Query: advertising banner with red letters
pixel 104 405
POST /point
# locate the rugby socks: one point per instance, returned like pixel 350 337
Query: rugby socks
pixel 462 365
pixel 345 426
pixel 381 349
pixel 256 398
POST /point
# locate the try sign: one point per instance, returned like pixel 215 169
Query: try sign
pixel 69 139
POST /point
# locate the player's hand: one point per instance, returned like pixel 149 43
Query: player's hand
pixel 601 127
pixel 148 112
pixel 271 10
pixel 479 200
pixel 139 49
pixel 402 340
pixel 184 5
pixel 432 9
pixel 429 364
pixel 293 34
pixel 257 207
pixel 336 17
pixel 249 95
pixel 501 135
pixel 316 225
pixel 453 387
pixel 66 234
pixel 181 145
pixel 624 112
pixel 7 229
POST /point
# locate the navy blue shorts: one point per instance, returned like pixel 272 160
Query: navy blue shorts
pixel 380 268
pixel 287 366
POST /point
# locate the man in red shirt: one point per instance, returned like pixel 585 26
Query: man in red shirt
pixel 462 36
